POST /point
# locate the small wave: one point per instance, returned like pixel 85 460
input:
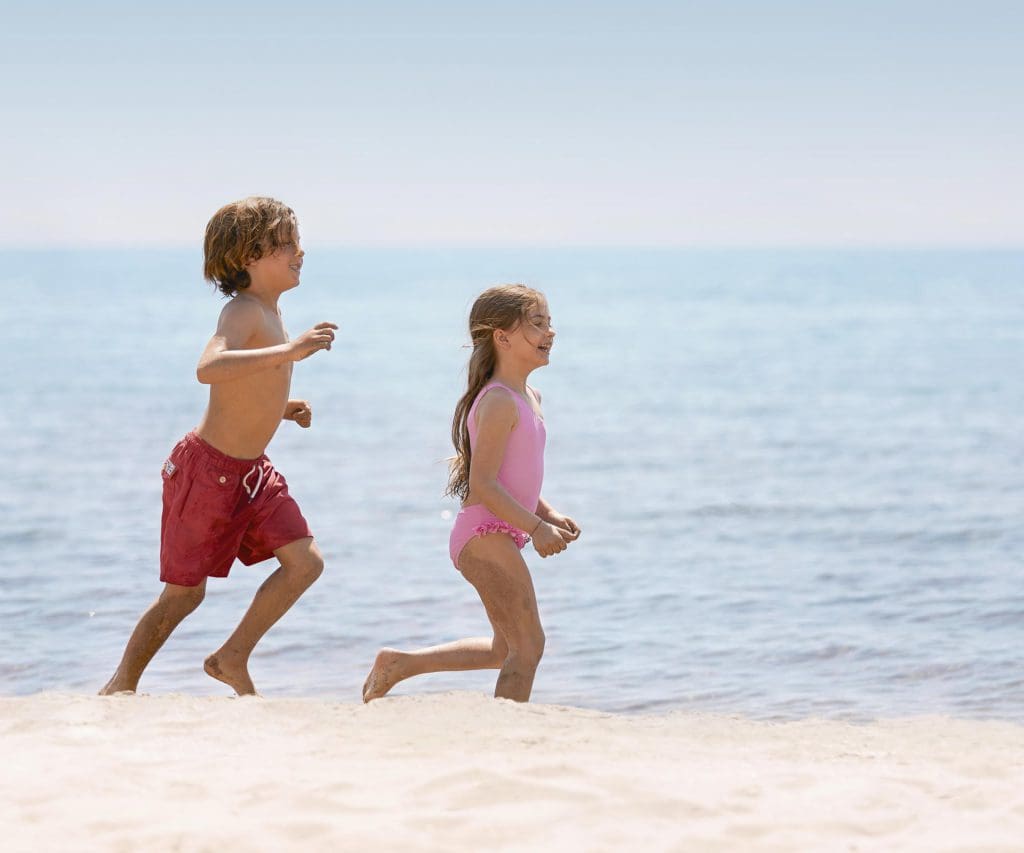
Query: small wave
pixel 830 652
pixel 31 536
pixel 921 536
pixel 835 651
pixel 930 672
pixel 298 649
pixel 843 600
pixel 788 510
pixel 1014 616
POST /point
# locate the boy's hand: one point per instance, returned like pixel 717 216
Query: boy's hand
pixel 299 411
pixel 321 336
pixel 548 539
pixel 568 528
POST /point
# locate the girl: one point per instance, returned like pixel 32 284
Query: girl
pixel 498 432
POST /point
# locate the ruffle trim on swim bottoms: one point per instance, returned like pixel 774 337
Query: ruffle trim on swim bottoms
pixel 502 527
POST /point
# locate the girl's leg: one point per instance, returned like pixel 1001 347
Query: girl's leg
pixel 495 567
pixel 483 562
pixel 392 665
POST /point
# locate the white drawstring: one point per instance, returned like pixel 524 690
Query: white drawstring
pixel 259 481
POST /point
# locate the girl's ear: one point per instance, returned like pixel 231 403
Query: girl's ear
pixel 501 339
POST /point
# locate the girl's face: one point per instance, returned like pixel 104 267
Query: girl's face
pixel 531 340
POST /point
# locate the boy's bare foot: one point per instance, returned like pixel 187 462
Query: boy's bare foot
pixel 235 676
pixel 384 675
pixel 118 684
pixel 116 688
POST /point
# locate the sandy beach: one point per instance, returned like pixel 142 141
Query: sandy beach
pixel 461 771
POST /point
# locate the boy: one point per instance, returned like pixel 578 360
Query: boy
pixel 222 498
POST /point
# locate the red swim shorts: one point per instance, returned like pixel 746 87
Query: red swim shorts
pixel 217 508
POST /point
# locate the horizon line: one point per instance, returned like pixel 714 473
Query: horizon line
pixel 502 247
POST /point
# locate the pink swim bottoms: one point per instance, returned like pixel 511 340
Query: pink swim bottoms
pixel 478 520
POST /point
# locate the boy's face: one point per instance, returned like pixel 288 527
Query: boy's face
pixel 280 270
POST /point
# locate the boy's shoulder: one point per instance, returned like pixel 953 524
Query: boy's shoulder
pixel 243 311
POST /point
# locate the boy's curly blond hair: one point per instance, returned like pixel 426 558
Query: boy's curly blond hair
pixel 242 232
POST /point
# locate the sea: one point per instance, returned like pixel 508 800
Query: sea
pixel 799 475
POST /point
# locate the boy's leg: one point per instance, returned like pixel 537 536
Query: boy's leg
pixel 155 626
pixel 301 564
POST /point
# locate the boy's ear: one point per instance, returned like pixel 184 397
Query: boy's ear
pixel 258 254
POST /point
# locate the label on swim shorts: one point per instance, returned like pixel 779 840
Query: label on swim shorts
pixel 169 469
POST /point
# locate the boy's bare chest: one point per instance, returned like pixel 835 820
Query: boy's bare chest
pixel 270 333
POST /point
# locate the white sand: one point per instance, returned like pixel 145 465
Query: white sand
pixel 464 772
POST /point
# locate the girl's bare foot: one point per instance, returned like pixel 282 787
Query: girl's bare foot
pixel 384 675
pixel 234 675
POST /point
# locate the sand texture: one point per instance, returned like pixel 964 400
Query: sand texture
pixel 461 771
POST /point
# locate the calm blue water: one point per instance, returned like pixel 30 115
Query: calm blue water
pixel 800 475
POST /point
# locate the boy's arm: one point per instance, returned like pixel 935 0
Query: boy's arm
pixel 299 411
pixel 225 359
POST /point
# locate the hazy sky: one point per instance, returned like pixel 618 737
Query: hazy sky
pixel 476 123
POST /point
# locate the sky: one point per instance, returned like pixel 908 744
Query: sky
pixel 710 124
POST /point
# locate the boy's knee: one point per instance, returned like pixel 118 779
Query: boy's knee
pixel 184 597
pixel 309 568
pixel 316 567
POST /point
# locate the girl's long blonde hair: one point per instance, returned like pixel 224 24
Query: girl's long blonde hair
pixel 502 307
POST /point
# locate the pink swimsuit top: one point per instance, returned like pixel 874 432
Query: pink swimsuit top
pixel 522 468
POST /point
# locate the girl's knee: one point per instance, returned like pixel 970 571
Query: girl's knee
pixel 528 650
pixel 537 645
pixel 499 650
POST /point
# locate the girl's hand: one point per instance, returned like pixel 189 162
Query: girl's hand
pixel 548 539
pixel 569 529
pixel 299 411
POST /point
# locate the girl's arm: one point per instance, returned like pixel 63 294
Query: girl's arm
pixel 547 512
pixel 496 415
pixel 551 515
